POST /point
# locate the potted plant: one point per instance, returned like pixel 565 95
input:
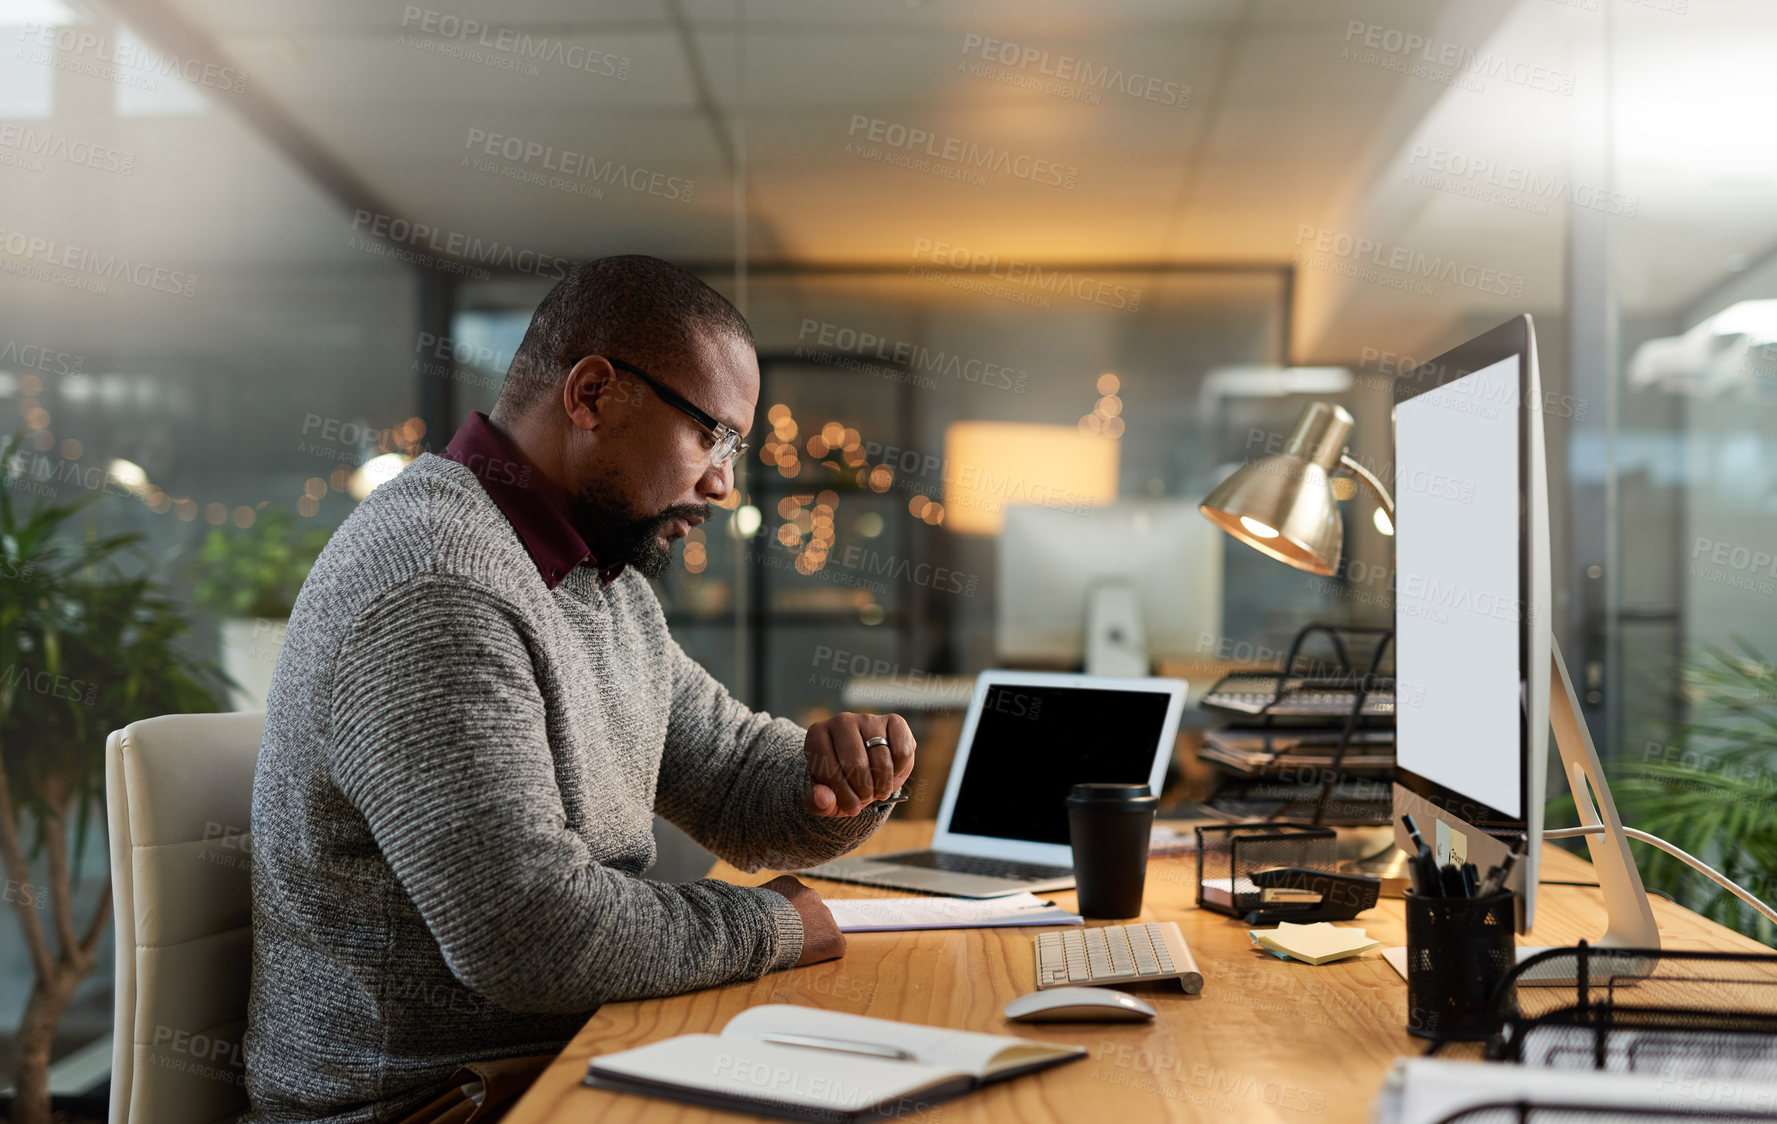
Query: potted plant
pixel 1709 788
pixel 85 648
pixel 249 579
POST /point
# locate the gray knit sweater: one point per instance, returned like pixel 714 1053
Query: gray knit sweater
pixel 453 803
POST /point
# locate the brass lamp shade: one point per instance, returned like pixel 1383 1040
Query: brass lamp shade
pixel 1283 505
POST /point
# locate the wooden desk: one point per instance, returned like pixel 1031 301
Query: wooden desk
pixel 1266 1040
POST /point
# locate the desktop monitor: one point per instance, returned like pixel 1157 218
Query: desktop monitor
pixel 1153 569
pixel 1471 573
pixel 1479 678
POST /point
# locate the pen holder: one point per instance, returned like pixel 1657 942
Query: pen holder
pixel 1458 950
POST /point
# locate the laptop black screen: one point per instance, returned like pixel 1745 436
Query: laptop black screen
pixel 1034 743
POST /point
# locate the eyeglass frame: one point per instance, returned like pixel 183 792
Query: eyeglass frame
pixel 721 431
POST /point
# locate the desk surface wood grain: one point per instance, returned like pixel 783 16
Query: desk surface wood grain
pixel 1266 1040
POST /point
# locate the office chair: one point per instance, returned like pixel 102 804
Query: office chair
pixel 178 798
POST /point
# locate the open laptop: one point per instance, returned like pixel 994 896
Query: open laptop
pixel 1028 738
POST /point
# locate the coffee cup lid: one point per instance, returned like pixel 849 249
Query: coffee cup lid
pixel 1110 794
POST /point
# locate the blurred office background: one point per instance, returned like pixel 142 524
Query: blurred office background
pixel 1031 258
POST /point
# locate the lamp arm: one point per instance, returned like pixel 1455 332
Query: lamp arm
pixel 1369 479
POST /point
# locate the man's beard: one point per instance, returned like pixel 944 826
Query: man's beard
pixel 616 537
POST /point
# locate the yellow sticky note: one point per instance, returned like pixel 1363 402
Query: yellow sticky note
pixel 1319 943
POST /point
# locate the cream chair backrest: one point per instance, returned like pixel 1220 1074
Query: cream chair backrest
pixel 179 798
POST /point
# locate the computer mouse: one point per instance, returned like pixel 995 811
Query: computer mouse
pixel 1078 1004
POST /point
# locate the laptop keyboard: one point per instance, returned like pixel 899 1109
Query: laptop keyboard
pixel 975 864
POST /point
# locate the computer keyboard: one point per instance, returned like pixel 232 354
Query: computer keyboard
pixel 1116 954
pixel 975 864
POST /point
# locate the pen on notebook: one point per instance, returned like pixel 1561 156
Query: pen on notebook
pixel 838 1045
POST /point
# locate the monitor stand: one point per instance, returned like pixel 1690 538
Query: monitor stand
pixel 1630 919
pixel 1116 643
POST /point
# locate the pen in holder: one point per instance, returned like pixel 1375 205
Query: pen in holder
pixel 1458 950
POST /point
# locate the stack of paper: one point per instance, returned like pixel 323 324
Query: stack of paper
pixel 1427 1090
pixel 1165 839
pixel 879 915
pixel 1319 943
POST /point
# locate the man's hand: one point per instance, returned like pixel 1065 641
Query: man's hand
pixel 821 938
pixel 848 774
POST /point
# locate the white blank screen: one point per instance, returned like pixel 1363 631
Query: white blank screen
pixel 1457 601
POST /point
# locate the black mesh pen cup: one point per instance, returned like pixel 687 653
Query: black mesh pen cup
pixel 1110 826
pixel 1458 950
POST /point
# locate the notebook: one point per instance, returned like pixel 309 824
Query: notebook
pixel 805 1063
pixel 882 915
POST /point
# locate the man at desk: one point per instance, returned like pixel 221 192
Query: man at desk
pixel 479 708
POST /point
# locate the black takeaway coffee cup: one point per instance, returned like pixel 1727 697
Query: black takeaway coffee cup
pixel 1109 826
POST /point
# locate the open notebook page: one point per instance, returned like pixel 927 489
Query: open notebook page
pixel 984 1055
pixel 729 1072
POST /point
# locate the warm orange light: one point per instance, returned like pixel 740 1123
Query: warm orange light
pixel 990 465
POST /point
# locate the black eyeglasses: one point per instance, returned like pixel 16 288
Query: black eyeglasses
pixel 728 444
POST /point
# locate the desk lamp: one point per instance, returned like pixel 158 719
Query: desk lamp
pixel 1283 505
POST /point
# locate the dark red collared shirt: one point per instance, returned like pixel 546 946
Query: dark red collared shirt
pixel 521 493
